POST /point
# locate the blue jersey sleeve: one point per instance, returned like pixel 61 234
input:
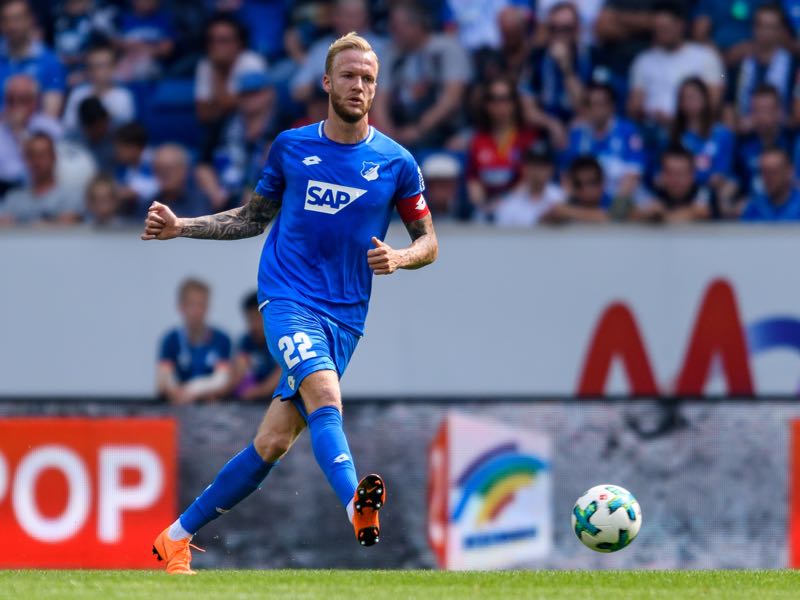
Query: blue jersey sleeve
pixel 409 181
pixel 169 348
pixel 222 344
pixel 273 181
pixel 722 162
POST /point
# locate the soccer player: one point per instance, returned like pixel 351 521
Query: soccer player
pixel 331 188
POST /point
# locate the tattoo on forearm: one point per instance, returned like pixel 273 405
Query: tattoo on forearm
pixel 235 224
pixel 424 247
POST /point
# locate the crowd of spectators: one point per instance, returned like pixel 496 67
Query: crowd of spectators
pixel 519 111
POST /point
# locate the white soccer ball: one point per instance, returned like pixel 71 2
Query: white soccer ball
pixel 606 518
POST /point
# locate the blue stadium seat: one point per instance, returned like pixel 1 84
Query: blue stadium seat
pixel 170 115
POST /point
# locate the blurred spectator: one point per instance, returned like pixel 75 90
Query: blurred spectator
pixel 588 10
pixel 103 203
pixel 22 52
pixel 614 141
pixel 476 22
pixel 77 24
pixel 145 39
pixel 265 19
pixel 348 15
pixel 587 201
pixel 768 63
pixel 176 188
pixel 780 198
pixel 442 173
pixel 678 198
pixel 117 100
pixel 554 88
pixel 19 120
pixel 515 24
pixel 423 82
pixel 95 132
pixel 495 152
pixel 657 73
pixel 226 59
pixel 316 108
pixel 133 168
pixel 236 163
pixel 255 373
pixel 42 200
pixel 727 25
pixel 769 131
pixel 711 143
pixel 624 28
pixel 534 198
pixel 194 359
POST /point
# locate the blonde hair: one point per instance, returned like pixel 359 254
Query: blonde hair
pixel 349 41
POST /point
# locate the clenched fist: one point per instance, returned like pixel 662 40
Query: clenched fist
pixel 383 259
pixel 160 223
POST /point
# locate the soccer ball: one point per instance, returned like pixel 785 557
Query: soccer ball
pixel 606 518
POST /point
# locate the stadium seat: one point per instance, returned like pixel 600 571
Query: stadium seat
pixel 170 114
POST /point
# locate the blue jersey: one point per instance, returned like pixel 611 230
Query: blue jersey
pixel 334 199
pixel 712 155
pixel 748 155
pixel 261 362
pixel 761 209
pixel 193 361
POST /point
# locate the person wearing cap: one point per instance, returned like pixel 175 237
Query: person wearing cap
pixel 442 173
pixel 534 198
pixel 229 167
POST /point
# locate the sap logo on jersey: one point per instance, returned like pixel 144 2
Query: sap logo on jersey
pixel 330 198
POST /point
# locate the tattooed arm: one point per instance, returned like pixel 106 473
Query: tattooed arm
pixel 243 222
pixel 424 248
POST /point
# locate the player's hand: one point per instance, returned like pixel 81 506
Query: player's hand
pixel 160 223
pixel 383 259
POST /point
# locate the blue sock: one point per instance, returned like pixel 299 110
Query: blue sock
pixel 241 476
pixel 332 453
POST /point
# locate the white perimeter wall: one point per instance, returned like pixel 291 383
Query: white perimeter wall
pixel 501 312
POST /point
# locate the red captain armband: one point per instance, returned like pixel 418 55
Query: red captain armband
pixel 412 209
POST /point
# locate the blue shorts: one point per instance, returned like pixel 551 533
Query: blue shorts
pixel 302 342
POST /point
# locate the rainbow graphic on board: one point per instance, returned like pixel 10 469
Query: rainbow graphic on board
pixel 496 476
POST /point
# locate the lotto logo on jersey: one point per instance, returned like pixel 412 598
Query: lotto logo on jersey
pixel 330 198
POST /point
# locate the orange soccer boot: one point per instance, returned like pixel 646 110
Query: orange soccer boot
pixel 369 498
pixel 177 555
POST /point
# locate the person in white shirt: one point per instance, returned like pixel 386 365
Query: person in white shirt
pixel 536 195
pixel 117 100
pixel 657 73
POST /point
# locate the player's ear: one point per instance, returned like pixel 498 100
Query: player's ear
pixel 326 83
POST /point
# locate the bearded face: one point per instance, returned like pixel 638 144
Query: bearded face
pixel 351 84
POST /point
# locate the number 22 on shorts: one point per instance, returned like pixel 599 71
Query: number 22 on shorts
pixel 303 346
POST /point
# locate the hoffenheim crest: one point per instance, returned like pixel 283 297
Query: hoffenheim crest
pixel 369 170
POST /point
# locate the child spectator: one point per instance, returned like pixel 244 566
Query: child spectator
pixel 42 200
pixel 103 203
pixel 194 360
pixel 255 372
pixel 117 100
pixel 133 169
pixel 495 153
pixel 780 198
pixel 678 198
pixel 146 37
pixel 95 132
pixel 534 197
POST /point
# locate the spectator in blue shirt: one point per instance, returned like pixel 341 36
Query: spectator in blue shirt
pixel 553 89
pixel 780 200
pixel 727 24
pixel 133 168
pixel 711 143
pixel 769 131
pixel 22 53
pixel 194 358
pixel 614 141
pixel 146 37
pixel 769 62
pixel 255 372
pixel 77 25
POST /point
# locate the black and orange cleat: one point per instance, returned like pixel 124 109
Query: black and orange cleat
pixel 176 554
pixel 369 498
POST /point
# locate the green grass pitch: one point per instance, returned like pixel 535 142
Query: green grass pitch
pixel 397 585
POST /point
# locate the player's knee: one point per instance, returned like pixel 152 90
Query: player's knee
pixel 272 446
